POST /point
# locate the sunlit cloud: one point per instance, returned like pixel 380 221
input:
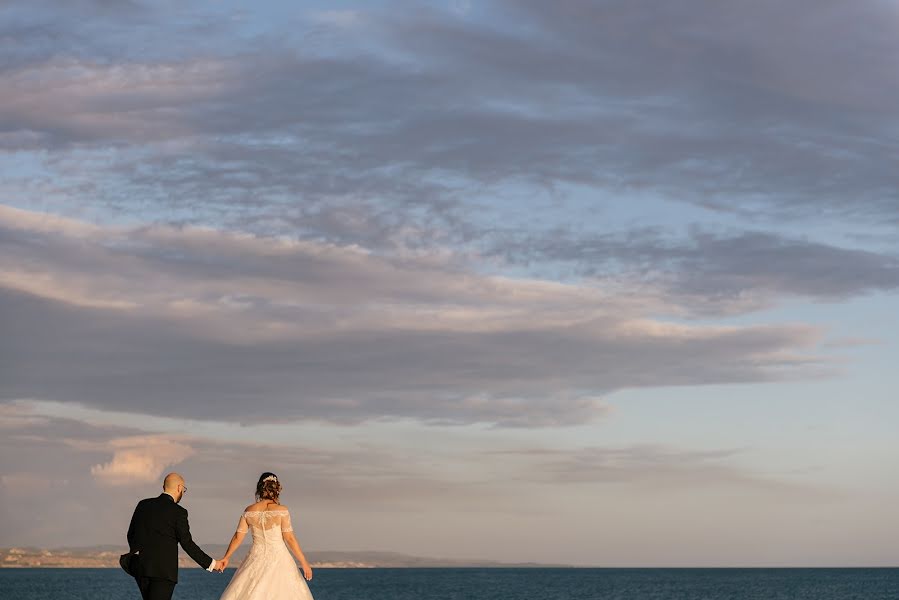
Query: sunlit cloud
pixel 140 459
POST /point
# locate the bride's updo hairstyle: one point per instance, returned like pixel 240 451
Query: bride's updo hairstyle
pixel 268 487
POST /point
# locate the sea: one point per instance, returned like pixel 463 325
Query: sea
pixel 488 584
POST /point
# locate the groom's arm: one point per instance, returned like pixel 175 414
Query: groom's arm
pixel 131 532
pixel 182 530
pixel 131 527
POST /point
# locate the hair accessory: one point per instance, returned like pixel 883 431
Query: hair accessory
pixel 270 478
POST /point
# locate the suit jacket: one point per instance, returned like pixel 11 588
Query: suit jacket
pixel 157 527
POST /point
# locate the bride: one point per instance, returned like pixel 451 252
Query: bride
pixel 268 572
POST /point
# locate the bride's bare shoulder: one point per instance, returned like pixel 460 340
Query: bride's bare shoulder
pixel 255 506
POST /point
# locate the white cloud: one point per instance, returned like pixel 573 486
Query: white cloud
pixel 140 459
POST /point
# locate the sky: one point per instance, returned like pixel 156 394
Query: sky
pixel 605 283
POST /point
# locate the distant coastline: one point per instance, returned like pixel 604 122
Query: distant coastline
pixel 108 556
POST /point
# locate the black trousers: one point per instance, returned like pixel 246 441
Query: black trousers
pixel 155 589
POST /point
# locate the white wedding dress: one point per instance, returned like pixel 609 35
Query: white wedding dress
pixel 269 571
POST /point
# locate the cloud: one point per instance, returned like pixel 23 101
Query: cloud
pixel 473 491
pixel 15 416
pixel 140 459
pixel 376 168
pixel 710 272
pixel 112 103
pixel 25 485
pixel 694 104
pixel 727 108
pixel 174 320
pixel 430 136
pixel 490 473
pixel 651 465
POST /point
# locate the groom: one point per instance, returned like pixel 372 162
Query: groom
pixel 156 529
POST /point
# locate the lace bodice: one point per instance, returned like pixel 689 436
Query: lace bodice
pixel 265 525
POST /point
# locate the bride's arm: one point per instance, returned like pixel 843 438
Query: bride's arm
pixel 236 540
pixel 291 540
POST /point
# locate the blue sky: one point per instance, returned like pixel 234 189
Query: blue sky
pixel 590 282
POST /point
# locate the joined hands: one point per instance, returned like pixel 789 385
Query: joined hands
pixel 220 565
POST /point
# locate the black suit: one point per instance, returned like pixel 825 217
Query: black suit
pixel 157 527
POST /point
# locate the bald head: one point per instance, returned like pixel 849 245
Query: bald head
pixel 173 485
pixel 171 482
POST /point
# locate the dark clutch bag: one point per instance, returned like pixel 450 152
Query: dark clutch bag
pixel 129 563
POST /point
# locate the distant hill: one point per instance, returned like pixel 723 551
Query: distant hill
pixel 108 557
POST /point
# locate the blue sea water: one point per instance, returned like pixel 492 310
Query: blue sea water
pixel 489 584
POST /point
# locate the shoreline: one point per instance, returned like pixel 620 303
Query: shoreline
pixel 103 557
